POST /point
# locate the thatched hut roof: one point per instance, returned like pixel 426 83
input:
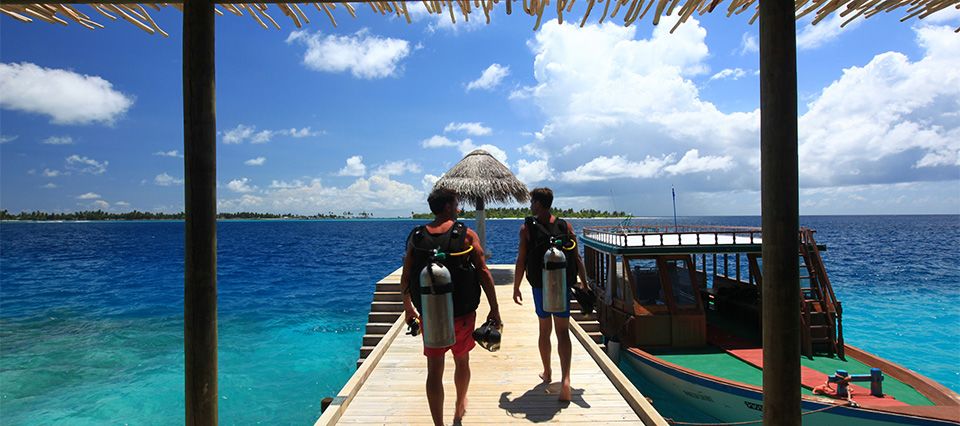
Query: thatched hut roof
pixel 480 177
pixel 62 11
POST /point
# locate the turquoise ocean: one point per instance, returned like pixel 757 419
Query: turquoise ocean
pixel 91 314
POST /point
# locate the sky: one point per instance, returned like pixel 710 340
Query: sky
pixel 369 114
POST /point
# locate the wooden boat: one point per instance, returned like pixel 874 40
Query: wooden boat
pixel 684 304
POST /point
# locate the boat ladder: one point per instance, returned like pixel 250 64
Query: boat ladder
pixel 821 312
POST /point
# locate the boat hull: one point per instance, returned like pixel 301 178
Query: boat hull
pixel 730 402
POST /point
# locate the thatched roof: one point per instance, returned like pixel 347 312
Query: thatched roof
pixel 63 11
pixel 479 176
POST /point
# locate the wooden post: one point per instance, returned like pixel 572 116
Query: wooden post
pixel 779 196
pixel 482 227
pixel 200 188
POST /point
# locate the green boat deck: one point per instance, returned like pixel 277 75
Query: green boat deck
pixel 717 362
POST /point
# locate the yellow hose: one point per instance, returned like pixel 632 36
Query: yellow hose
pixel 462 252
pixel 571 247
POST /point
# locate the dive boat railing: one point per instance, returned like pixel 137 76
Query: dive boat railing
pixel 638 236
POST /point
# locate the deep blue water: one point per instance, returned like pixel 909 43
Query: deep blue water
pixel 91 314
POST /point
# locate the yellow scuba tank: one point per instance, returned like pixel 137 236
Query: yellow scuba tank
pixel 554 280
pixel 436 302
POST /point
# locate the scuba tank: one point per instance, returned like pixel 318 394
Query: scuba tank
pixel 554 278
pixel 436 301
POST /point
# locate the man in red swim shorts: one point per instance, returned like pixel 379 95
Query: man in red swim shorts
pixel 469 273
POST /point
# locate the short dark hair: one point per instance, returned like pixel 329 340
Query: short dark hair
pixel 439 198
pixel 542 195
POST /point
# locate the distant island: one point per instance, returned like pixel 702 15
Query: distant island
pixel 138 215
pixel 93 215
pixel 510 213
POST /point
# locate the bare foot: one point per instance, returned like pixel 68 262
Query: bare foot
pixel 460 411
pixel 545 376
pixel 565 394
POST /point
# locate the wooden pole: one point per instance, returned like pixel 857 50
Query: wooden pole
pixel 200 184
pixel 482 227
pixel 780 213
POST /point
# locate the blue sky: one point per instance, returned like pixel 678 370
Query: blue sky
pixel 368 115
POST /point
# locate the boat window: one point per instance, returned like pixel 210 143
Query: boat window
pixel 679 275
pixel 647 280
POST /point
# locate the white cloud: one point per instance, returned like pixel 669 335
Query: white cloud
pixel 376 193
pixel 748 44
pixel 395 168
pixel 100 204
pixel 50 173
pixel 629 105
pixel 121 204
pixel 428 181
pixel 490 78
pixel 255 161
pixel 301 133
pixel 692 162
pixel 535 171
pixel 164 179
pixel 619 109
pixel 465 146
pixel 49 185
pixel 86 165
pixel 67 97
pixel 365 55
pixel 58 140
pixel 280 184
pixel 604 168
pixel 731 73
pixel 7 138
pixel 244 133
pixel 472 128
pixel 88 196
pixel 813 36
pixel 442 21
pixel 238 134
pixel 891 120
pixel 262 136
pixel 438 141
pixel 171 153
pixel 947 15
pixel 241 185
pixel 354 167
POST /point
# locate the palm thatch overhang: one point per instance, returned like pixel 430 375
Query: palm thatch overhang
pixel 479 178
pixel 136 13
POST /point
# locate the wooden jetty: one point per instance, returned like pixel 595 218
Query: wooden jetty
pixel 388 386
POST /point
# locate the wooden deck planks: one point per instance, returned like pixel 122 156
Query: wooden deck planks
pixel 504 387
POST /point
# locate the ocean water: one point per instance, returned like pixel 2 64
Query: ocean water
pixel 91 314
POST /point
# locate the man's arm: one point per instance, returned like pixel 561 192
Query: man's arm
pixel 486 279
pixel 521 265
pixel 406 277
pixel 581 269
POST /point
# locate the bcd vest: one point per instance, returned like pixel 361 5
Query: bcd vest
pixel 540 234
pixel 466 285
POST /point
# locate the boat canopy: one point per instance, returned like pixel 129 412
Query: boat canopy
pixel 671 239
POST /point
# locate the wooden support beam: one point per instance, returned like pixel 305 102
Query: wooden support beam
pixel 780 213
pixel 200 184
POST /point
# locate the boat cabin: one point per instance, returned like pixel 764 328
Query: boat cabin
pixel 656 284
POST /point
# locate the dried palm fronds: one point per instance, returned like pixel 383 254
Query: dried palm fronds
pixel 62 12
pixel 479 179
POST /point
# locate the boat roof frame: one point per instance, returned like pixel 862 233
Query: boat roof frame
pixel 751 234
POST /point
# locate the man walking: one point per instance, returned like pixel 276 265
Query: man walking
pixel 535 237
pixel 465 261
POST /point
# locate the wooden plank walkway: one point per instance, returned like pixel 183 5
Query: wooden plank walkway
pixel 388 387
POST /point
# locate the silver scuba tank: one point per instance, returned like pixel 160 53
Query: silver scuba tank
pixel 554 280
pixel 436 306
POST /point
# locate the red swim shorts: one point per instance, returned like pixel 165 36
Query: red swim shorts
pixel 463 328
